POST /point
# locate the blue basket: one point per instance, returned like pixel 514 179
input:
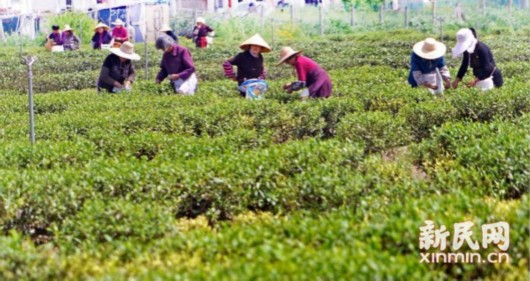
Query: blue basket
pixel 254 89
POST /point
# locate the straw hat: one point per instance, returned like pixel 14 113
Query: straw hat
pixel 67 28
pixel 201 20
pixel 429 49
pixel 464 40
pixel 102 25
pixel 285 53
pixel 165 28
pixel 126 51
pixel 255 40
pixel 118 22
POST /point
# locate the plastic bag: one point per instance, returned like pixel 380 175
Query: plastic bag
pixel 186 87
pixel 254 89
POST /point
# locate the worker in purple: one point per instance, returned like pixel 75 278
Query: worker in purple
pixel 177 65
pixel 119 32
pixel 249 63
pixel 200 32
pixel 56 36
pixel 101 36
pixel 309 73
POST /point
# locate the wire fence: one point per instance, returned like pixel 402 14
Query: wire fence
pixel 292 21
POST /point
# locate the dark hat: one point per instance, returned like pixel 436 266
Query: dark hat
pixel 55 27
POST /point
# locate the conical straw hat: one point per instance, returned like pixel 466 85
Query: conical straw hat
pixel 104 26
pixel 256 40
pixel 285 53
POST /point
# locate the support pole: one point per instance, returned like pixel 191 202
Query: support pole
pixel 406 23
pixel 321 20
pixel 352 16
pixel 145 57
pixel 29 60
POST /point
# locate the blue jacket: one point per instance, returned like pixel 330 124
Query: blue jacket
pixel 426 66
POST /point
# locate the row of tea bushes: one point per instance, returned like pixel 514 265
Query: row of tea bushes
pixel 370 243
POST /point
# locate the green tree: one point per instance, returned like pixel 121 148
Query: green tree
pixel 82 24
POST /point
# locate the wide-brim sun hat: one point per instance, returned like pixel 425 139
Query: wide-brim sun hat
pixel 201 20
pixel 126 51
pixel 165 28
pixel 67 28
pixel 102 25
pixel 258 41
pixel 464 40
pixel 429 49
pixel 118 22
pixel 285 53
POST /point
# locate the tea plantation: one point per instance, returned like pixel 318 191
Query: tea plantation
pixel 149 185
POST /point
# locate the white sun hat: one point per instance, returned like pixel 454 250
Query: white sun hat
pixel 258 41
pixel 118 22
pixel 464 40
pixel 429 49
pixel 102 25
pixel 165 28
pixel 201 20
pixel 285 53
pixel 67 28
pixel 126 51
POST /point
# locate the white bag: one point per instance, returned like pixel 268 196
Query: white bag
pixel 486 84
pixel 435 79
pixel 57 48
pixel 304 94
pixel 186 87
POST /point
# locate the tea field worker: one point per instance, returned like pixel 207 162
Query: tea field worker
pixel 200 33
pixel 167 31
pixel 119 33
pixel 70 40
pixel 55 40
pixel 101 36
pixel 117 72
pixel 477 55
pixel 249 62
pixel 176 65
pixel 427 66
pixel 310 75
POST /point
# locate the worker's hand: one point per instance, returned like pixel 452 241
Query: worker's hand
pixel 430 86
pixel 233 78
pixel 288 88
pixel 157 81
pixel 127 84
pixel 472 83
pixel 455 83
pixel 174 77
pixel 118 85
pixel 447 84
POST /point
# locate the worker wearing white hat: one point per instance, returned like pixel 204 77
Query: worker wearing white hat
pixel 102 36
pixel 200 33
pixel 117 72
pixel 119 32
pixel 427 66
pixel 70 40
pixel 166 29
pixel 477 55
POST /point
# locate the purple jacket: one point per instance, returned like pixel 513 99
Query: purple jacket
pixel 103 38
pixel 177 62
pixel 57 38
